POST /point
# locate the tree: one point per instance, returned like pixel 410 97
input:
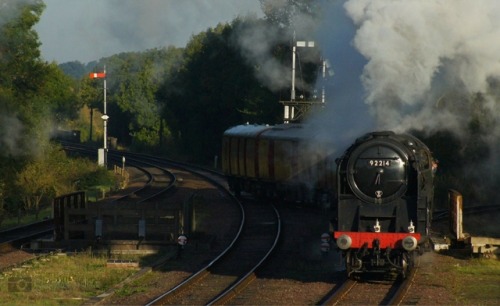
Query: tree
pixel 90 94
pixel 215 88
pixel 35 183
pixel 33 93
pixel 2 202
pixel 136 98
pixel 52 174
pixel 132 82
pixel 20 63
pixel 74 69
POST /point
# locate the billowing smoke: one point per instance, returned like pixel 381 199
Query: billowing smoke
pixel 256 43
pixel 11 9
pixel 332 31
pixel 11 128
pixel 402 65
pixel 11 131
pixel 419 52
pixel 435 65
pixel 345 115
pixel 430 66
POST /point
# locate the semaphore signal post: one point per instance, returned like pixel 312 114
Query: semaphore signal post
pixel 102 152
pixel 296 109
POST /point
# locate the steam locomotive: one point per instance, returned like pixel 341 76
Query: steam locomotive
pixel 280 162
pixel 380 190
pixel 383 211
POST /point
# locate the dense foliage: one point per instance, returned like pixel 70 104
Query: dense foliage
pixel 35 97
pixel 30 90
pixel 213 90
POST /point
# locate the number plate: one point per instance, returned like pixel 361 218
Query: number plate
pixel 379 163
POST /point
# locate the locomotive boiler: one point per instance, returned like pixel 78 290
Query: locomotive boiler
pixel 383 211
pixel 280 162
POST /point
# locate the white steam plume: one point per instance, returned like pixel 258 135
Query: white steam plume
pixel 428 65
pixel 256 44
pixel 11 132
pixel 258 39
pixel 398 65
pixel 418 51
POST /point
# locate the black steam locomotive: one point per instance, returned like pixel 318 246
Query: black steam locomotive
pixel 385 194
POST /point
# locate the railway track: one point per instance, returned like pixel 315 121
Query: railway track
pixel 261 282
pixel 241 286
pixel 373 290
pixel 154 182
pixel 160 180
pixel 233 276
pixel 248 287
pixel 224 277
pixel 235 267
pixel 12 240
pixel 20 233
pixel 231 271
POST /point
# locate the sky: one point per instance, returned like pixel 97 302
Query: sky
pixel 87 30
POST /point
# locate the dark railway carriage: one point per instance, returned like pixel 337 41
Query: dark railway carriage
pixel 384 204
pixel 280 162
pixel 66 135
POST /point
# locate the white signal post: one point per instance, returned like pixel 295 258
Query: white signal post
pixel 289 111
pixel 102 153
pixel 105 118
pixel 303 44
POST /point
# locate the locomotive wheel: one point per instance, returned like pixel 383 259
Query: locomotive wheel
pixel 348 267
pixel 407 264
pixel 352 264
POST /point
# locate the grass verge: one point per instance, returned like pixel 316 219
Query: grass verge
pixel 479 281
pixel 59 280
